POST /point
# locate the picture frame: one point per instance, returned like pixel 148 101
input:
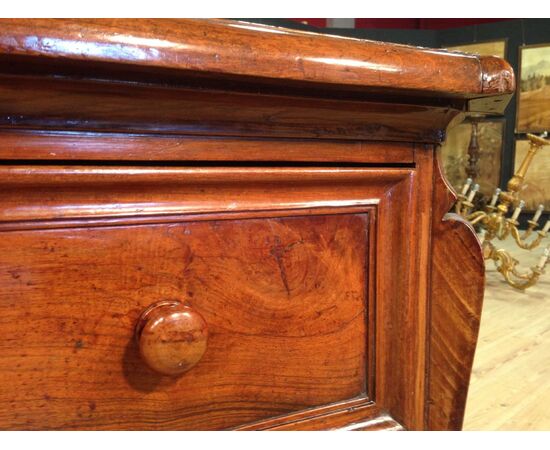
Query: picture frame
pixel 493 47
pixel 536 188
pixel 533 89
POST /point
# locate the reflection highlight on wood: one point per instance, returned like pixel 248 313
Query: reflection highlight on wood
pixel 34 145
pixel 222 47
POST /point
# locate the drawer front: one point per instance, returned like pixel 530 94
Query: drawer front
pixel 310 292
pixel 284 300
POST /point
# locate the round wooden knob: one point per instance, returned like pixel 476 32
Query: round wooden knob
pixel 172 337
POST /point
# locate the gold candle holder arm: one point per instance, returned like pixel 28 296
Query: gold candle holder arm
pixel 533 223
pixel 458 205
pixel 476 217
pixel 510 196
pixel 503 229
pixel 530 228
pixel 506 265
pixel 521 242
pixel 495 223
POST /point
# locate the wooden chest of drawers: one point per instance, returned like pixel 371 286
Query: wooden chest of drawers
pixel 210 224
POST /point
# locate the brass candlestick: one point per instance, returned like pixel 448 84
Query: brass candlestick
pixel 495 224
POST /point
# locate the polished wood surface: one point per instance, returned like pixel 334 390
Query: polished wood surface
pixel 221 47
pixel 80 75
pixel 172 337
pixel 279 190
pixel 107 194
pixel 57 103
pixel 284 299
pixel 66 146
pixel 457 283
pixel 354 418
pixel 400 385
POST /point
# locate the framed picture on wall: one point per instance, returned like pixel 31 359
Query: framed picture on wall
pixel 454 152
pixel 536 188
pixel 533 111
pixel 483 48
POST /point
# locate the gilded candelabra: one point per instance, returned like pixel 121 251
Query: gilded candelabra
pixel 496 225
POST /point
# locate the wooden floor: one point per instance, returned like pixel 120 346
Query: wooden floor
pixel 510 385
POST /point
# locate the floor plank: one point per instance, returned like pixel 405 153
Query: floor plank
pixel 510 385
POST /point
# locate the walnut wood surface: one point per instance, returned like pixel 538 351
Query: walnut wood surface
pixel 58 103
pixel 457 284
pixel 221 47
pixel 396 383
pixel 95 193
pixel 38 145
pixel 284 300
pixel 366 417
pixel 41 89
pixel 283 184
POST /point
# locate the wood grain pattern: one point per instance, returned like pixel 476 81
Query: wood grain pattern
pixel 457 284
pixel 497 75
pixel 396 92
pixel 282 184
pixel 400 368
pixel 57 103
pixel 31 193
pixel 220 47
pixel 66 146
pixel 397 384
pixel 357 418
pixel 274 293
